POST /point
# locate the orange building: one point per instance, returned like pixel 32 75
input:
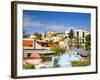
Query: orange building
pixel 28 43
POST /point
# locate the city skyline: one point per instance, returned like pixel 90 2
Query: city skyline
pixel 41 21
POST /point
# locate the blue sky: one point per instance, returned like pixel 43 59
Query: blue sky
pixel 39 21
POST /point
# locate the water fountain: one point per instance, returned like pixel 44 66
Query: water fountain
pixel 67 57
pixel 64 60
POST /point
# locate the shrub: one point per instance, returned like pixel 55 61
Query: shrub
pixel 46 58
pixel 58 50
pixel 55 63
pixel 28 66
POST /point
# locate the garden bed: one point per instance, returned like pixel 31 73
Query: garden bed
pixel 80 63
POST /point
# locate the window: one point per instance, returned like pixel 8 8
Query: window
pixel 83 35
pixel 29 54
pixel 82 40
pixel 77 33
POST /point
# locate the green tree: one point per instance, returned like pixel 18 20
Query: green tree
pixel 88 42
pixel 71 37
pixel 71 34
pixel 24 34
pixel 38 36
pixel 55 63
pixel 58 51
pixel 45 33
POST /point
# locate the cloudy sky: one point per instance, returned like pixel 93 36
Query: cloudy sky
pixel 39 21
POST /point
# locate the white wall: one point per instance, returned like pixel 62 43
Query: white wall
pixel 5 41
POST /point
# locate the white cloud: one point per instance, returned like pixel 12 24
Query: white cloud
pixel 56 27
pixel 29 22
pixel 33 23
pixel 60 27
